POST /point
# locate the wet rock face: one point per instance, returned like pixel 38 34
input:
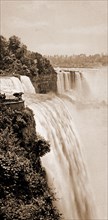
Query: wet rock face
pixel 45 83
pixel 24 192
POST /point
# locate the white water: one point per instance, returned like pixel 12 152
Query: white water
pixel 27 85
pixel 89 86
pixel 92 125
pixel 90 117
pixel 10 85
pixel 74 84
pixel 65 165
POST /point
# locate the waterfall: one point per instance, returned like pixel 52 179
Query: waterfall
pixel 27 85
pixel 83 85
pixel 65 81
pixel 12 84
pixel 72 80
pixel 65 164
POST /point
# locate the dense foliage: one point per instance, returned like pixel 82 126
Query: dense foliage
pixel 16 59
pixel 24 193
pixel 81 60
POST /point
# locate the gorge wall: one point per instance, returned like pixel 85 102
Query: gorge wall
pixel 45 83
pixel 24 192
pixel 16 59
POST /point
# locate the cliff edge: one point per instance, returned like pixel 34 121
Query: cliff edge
pixel 24 192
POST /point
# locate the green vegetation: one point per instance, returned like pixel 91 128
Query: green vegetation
pixel 79 61
pixel 16 59
pixel 24 192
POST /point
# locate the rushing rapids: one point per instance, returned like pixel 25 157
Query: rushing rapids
pixel 65 166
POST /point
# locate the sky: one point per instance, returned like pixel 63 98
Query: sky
pixel 51 27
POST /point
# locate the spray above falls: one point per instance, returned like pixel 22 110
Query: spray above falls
pixel 84 86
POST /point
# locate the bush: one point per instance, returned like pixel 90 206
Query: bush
pixel 24 192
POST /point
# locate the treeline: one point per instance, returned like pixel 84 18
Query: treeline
pixel 16 59
pixel 81 60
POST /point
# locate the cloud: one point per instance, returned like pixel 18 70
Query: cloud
pixel 57 26
pixel 16 22
pixel 32 5
pixel 62 48
pixel 91 30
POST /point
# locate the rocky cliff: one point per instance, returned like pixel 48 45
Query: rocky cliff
pixel 16 59
pixel 24 192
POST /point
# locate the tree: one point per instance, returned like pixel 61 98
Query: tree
pixel 14 43
pixel 3 47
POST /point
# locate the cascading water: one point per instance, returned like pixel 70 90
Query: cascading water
pixel 64 165
pixel 10 85
pixel 27 85
pixel 90 117
pixel 83 85
pixel 66 80
pixel 73 84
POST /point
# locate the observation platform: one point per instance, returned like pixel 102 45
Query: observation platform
pixel 15 103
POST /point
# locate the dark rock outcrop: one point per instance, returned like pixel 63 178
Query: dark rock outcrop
pixel 45 83
pixel 24 192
